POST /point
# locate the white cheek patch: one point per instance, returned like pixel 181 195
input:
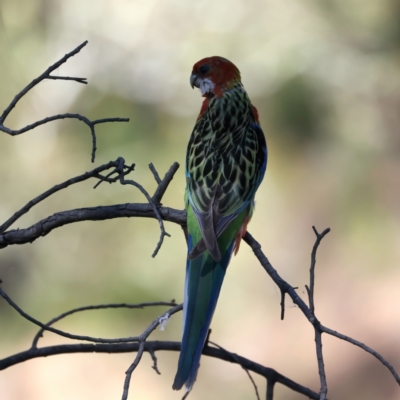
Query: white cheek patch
pixel 206 85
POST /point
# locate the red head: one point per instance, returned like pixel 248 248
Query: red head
pixel 214 75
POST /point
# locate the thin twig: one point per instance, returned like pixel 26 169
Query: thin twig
pixel 139 338
pixel 131 369
pixel 163 185
pixel 163 233
pixel 108 179
pixel 99 307
pixel 317 331
pixel 234 357
pixel 364 347
pixel 154 358
pixel 121 170
pixel 319 236
pixel 155 173
pixel 323 391
pixel 85 120
pixel 271 271
pixel 282 304
pixel 68 78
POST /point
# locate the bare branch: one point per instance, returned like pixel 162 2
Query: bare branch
pixel 139 338
pixel 47 75
pixel 271 271
pixel 153 205
pixel 40 78
pixel 68 78
pixel 99 307
pixel 284 286
pixel 155 173
pixel 270 390
pixel 127 170
pixel 321 367
pixel 259 369
pixel 87 121
pixel 131 369
pixel 317 327
pixel 154 358
pixel 310 292
pixel 100 213
pixel 163 185
pixel 364 347
pixel 95 173
pixel 43 227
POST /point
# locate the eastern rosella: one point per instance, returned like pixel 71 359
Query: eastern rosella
pixel 225 163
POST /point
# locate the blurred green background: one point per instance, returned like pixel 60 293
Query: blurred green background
pixel 325 77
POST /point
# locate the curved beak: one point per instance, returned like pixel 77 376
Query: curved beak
pixel 193 80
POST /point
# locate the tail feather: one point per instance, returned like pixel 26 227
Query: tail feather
pixel 204 277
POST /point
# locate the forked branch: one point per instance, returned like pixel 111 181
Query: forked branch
pixel 138 344
pixel 47 75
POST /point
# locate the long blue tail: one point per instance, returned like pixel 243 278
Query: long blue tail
pixel 203 283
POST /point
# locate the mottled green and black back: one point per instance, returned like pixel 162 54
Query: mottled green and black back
pixel 226 159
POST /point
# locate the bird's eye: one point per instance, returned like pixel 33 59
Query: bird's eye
pixel 204 69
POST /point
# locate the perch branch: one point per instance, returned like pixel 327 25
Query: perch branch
pixel 100 213
pixel 46 225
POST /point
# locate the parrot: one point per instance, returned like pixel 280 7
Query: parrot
pixel 226 160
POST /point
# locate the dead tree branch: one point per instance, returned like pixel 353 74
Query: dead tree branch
pixel 234 357
pixel 120 169
pixel 47 327
pixel 284 287
pixel 125 345
pixel 153 205
pixel 47 75
pixel 99 307
pixel 318 334
pixel 154 346
pixel 95 173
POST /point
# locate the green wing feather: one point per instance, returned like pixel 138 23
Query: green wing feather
pixel 225 164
